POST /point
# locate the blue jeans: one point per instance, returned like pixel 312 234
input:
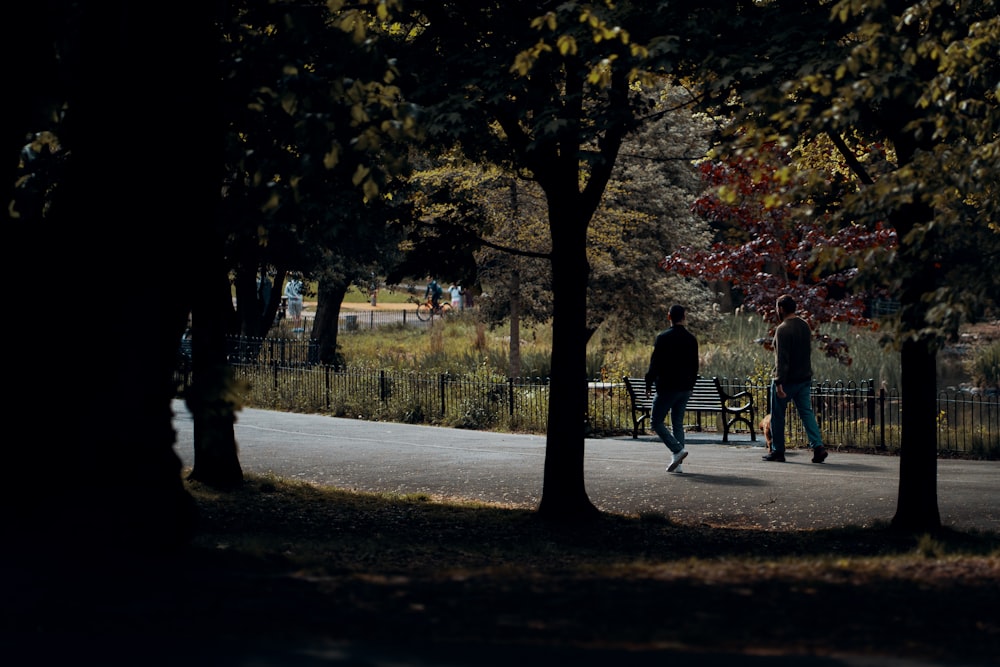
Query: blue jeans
pixel 799 393
pixel 674 402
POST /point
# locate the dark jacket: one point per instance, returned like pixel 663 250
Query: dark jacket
pixel 792 348
pixel 673 365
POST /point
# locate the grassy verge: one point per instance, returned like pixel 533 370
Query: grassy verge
pixel 727 349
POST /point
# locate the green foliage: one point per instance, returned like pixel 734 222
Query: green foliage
pixel 984 366
pixel 645 213
pixel 919 80
pixel 481 410
pixel 413 414
pixel 728 348
pixel 313 150
pixel 454 345
pixel 476 413
pixel 930 547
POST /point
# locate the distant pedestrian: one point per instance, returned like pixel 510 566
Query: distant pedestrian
pixel 673 371
pixel 456 296
pixel 293 292
pixel 792 381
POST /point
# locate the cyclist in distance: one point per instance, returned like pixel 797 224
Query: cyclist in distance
pixel 433 292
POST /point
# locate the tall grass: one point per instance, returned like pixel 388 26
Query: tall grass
pixel 728 348
pixel 984 367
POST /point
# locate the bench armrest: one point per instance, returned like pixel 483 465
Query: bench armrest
pixel 737 395
pixel 726 397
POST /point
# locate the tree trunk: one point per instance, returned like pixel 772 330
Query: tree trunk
pixel 724 296
pixel 564 496
pixel 326 326
pixel 104 446
pixel 216 457
pixel 31 72
pixel 256 306
pixel 514 290
pixel 515 324
pixel 917 507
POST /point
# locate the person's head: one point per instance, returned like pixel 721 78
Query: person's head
pixel 786 306
pixel 677 314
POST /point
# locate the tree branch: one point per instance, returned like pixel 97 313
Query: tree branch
pixel 852 161
pixel 474 236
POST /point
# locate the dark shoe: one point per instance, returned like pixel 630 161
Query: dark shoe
pixel 774 456
pixel 819 454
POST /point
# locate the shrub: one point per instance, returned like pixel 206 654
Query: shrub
pixel 984 367
pixel 477 413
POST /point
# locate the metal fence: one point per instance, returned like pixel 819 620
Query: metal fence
pixel 281 374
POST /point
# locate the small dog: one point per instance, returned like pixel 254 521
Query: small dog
pixel 765 427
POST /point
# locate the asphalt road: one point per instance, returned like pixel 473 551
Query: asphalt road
pixel 720 484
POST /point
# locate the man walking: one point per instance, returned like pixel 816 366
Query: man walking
pixel 792 381
pixel 673 370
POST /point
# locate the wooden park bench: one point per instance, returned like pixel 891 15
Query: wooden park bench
pixel 708 396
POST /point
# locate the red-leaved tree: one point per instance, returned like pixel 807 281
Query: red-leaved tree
pixel 767 247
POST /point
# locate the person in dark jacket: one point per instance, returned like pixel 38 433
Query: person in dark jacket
pixel 792 381
pixel 673 370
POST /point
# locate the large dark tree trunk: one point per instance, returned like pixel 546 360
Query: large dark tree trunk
pixel 917 507
pixel 564 496
pixel 102 440
pixel 216 458
pixel 327 323
pixel 256 303
pixel 32 81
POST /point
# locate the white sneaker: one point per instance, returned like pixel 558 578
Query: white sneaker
pixel 679 469
pixel 675 461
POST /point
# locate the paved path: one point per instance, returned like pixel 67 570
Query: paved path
pixel 720 484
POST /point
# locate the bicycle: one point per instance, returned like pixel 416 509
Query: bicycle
pixel 426 311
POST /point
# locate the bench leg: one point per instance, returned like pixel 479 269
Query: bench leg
pixel 726 426
pixel 637 424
